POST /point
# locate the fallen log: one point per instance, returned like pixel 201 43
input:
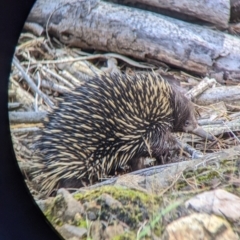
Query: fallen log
pixel 216 12
pixel 225 94
pixel 235 10
pixel 158 178
pixel 26 117
pixel 140 34
pixel 14 105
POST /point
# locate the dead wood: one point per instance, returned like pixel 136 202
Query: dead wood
pixel 235 10
pixel 11 93
pixel 30 82
pixel 26 117
pixel 160 177
pixel 33 27
pixel 54 86
pixel 224 127
pixel 200 88
pixel 26 130
pixel 140 34
pixel 14 105
pixel 228 94
pixel 21 95
pixel 216 12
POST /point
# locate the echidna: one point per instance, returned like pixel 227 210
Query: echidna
pixel 108 122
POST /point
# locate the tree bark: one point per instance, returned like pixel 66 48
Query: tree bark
pixel 216 12
pixel 140 34
pixel 26 117
pixel 226 94
pixel 235 10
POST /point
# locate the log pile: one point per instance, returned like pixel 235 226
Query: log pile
pixel 194 45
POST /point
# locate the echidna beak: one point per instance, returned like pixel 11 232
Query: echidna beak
pixel 201 133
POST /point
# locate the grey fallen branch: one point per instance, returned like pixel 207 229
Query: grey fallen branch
pixel 14 105
pixel 20 131
pixel 156 179
pixel 200 88
pixel 57 76
pixel 216 12
pixel 203 122
pixel 34 28
pixel 190 150
pixel 23 96
pixel 31 83
pixel 26 117
pixel 231 126
pixel 234 115
pixel 11 93
pixel 140 34
pixel 76 82
pixel 217 94
pixel 54 86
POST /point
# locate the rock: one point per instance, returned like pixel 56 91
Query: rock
pixel 92 210
pixel 96 230
pixel 45 204
pixel 72 232
pixel 91 215
pixel 110 201
pixel 113 231
pixel 66 206
pixel 219 202
pixel 199 226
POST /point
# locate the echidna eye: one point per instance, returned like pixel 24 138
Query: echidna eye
pixel 186 123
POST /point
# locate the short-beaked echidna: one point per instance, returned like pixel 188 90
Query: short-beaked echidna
pixel 107 122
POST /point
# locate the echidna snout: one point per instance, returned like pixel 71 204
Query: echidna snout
pixel 185 118
pixel 191 126
pixel 199 132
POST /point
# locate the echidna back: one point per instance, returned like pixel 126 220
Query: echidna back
pixel 102 125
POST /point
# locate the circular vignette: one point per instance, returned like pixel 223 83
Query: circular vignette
pixel 20 218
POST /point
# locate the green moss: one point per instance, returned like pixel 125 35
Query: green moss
pixel 49 213
pixel 137 208
pixel 126 236
pixel 52 219
pixel 120 193
pixel 82 223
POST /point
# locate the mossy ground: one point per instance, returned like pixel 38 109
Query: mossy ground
pixel 143 214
